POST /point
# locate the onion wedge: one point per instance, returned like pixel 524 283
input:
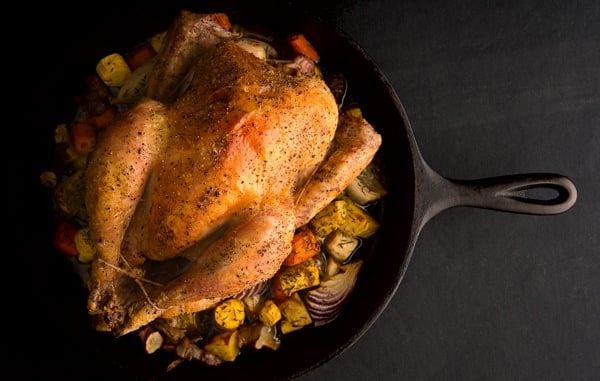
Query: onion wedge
pixel 325 302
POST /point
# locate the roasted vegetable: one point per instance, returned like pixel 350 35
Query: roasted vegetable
pixel 269 313
pixel 230 313
pixel 366 187
pixel 64 238
pixel 302 46
pixel 83 138
pixel 299 277
pixel 358 221
pixel 151 338
pixel 224 345
pixel 305 245
pixel 135 86
pixel 345 215
pixel 188 350
pixel 326 301
pixel 340 245
pixel 258 336
pixel 113 70
pixel 295 315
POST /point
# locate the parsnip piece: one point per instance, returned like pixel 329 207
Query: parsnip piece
pixel 366 187
pixel 151 338
pixel 340 245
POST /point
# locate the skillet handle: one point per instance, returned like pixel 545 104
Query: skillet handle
pixel 520 193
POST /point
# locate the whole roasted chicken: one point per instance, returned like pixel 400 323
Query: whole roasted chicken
pixel 194 193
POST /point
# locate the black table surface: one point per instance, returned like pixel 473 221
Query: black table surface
pixel 491 88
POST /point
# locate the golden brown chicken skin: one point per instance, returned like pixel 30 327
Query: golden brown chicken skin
pixel 196 198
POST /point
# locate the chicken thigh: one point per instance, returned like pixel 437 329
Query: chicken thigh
pixel 195 192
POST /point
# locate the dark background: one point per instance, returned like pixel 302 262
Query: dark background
pixel 490 88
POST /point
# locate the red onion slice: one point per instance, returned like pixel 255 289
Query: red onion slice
pixel 325 302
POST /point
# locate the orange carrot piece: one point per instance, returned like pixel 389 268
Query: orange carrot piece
pixel 302 46
pixel 139 56
pixel 221 19
pixel 83 138
pixel 305 245
pixel 102 120
pixel 64 238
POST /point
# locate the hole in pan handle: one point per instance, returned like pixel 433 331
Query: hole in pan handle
pixel 528 193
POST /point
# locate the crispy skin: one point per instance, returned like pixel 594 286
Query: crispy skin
pixel 355 144
pixel 193 200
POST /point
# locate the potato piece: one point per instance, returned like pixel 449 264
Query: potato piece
pixel 330 218
pixel 113 70
pixel 358 221
pixel 298 277
pixel 346 215
pixel 224 345
pixel 269 313
pixel 295 315
pixel 230 314
pixel 340 245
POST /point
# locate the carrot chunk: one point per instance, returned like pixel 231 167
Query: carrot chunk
pixel 64 238
pixel 83 138
pixel 222 19
pixel 302 46
pixel 304 246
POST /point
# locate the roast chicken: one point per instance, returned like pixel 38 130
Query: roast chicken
pixel 194 193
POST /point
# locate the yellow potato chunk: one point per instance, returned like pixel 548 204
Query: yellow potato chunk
pixel 224 345
pixel 299 277
pixel 230 314
pixel 345 215
pixel 113 70
pixel 269 313
pixel 295 315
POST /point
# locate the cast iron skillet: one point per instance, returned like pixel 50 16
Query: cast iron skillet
pixel 416 194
